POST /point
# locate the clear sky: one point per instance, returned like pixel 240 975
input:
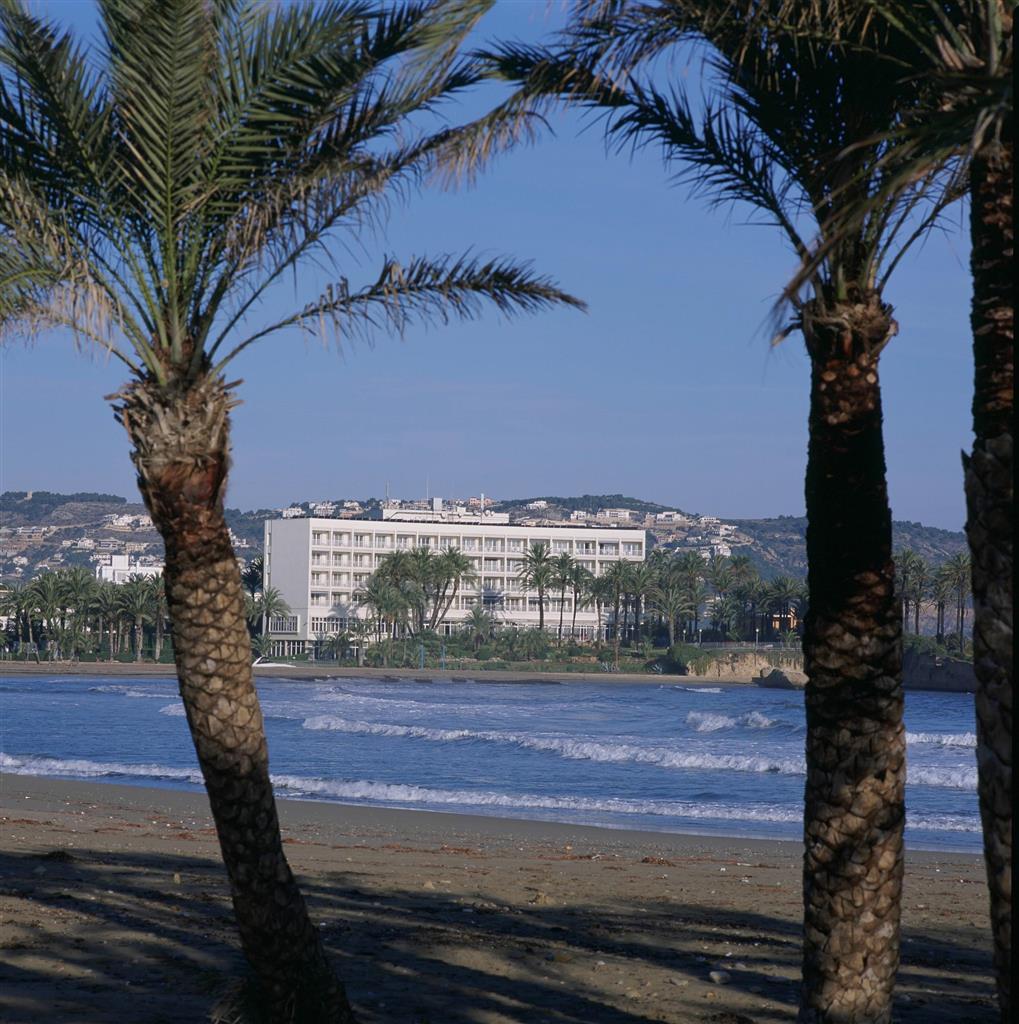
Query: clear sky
pixel 666 389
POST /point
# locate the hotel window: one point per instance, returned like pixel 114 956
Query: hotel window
pixel 318 537
pixel 427 542
pixel 384 540
pixel 339 559
pixel 360 579
pixel 341 579
pixel 341 540
pixel 631 549
pixel 362 540
pixel 469 544
pixel 608 549
pixel 559 546
pixel 405 540
pixel 320 600
pixel 514 545
pixel 493 545
pixel 339 599
pixel 585 547
pixel 320 558
pixel 319 579
pixel 493 565
pixel 447 543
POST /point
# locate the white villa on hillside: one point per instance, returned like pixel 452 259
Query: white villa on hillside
pixel 318 565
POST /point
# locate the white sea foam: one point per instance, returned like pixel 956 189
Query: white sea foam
pixel 616 752
pixel 370 791
pixel 706 721
pixel 574 749
pixel 948 777
pixel 85 769
pixel 126 691
pixel 699 689
pixel 408 795
pixel 174 710
pixel 942 739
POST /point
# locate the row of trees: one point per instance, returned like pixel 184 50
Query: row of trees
pixel 922 585
pixel 155 188
pixel 670 594
pixel 68 613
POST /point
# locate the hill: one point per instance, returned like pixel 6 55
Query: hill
pixel 779 545
pixel 44 529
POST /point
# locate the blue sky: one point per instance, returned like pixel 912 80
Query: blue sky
pixel 666 389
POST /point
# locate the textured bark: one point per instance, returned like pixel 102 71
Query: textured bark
pixel 854 808
pixel 989 530
pixel 181 451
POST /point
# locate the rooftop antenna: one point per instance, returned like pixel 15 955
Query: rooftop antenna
pixel 387 492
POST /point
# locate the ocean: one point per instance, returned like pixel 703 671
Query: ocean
pixel 721 760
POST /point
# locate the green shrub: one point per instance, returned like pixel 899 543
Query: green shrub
pixel 484 652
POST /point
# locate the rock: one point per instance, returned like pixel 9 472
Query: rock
pixel 782 679
pixel 428 885
pixel 719 977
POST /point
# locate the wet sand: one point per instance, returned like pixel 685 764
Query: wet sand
pixel 313 670
pixel 114 907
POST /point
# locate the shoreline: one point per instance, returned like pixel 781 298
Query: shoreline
pixel 115 905
pixel 323 670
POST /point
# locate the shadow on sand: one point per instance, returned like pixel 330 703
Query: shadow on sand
pixel 148 937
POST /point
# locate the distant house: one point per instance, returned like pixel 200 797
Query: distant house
pixel 616 515
pixel 121 568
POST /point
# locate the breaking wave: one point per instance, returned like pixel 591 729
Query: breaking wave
pixel 705 721
pixel 81 768
pixel 125 691
pixel 942 739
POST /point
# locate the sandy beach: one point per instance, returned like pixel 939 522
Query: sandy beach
pixel 312 670
pixel 114 907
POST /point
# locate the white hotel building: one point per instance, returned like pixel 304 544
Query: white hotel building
pixel 318 565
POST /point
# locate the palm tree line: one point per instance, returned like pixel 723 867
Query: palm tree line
pixel 68 613
pixel 672 597
pixel 940 589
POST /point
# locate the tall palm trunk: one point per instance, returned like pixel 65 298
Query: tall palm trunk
pixel 181 451
pixel 856 755
pixel 989 529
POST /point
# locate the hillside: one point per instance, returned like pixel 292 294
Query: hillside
pixel 45 529
pixel 779 545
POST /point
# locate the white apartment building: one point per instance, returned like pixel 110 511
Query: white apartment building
pixel 121 568
pixel 318 565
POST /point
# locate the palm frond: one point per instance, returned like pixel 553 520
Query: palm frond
pixel 423 290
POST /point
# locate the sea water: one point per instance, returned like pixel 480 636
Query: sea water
pixel 722 760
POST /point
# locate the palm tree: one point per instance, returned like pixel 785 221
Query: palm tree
pixel 18 603
pixel 48 601
pixel 154 188
pixel 106 604
pixel 78 587
pixel 157 599
pixel 642 582
pixel 942 591
pixel 601 590
pixel 670 598
pixel 580 583
pixel 453 570
pixel 617 576
pixel 562 577
pixel 959 572
pixel 793 131
pixel 136 603
pixel 536 573
pixel 480 625
pixel 964 52
pixel 905 562
pixel 252 576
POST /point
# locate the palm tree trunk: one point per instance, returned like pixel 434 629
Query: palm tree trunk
pixel 562 609
pixel 856 754
pixel 181 452
pixel 989 530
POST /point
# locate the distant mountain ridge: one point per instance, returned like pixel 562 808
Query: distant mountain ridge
pixel 775 545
